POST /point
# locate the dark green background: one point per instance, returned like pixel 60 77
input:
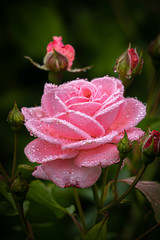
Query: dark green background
pixel 100 32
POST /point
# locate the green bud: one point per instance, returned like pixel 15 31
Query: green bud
pixel 15 118
pixel 124 146
pixel 19 188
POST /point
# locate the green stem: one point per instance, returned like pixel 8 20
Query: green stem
pixel 14 155
pixel 76 196
pixel 96 197
pixel 77 224
pixel 137 178
pixel 116 179
pixel 4 174
pixel 24 222
pixel 149 231
pixel 104 180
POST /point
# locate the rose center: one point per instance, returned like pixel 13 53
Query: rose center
pixel 87 93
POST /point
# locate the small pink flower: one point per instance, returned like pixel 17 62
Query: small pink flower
pixel 76 126
pixel 66 50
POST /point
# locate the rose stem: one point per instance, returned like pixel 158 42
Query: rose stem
pixel 147 232
pixel 15 154
pixel 96 197
pixel 116 178
pixel 104 180
pixel 4 174
pixel 138 177
pixel 24 222
pixel 77 224
pixel 76 196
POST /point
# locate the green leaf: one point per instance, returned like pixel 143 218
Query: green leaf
pixel 7 205
pixel 42 194
pixel 151 190
pixel 97 232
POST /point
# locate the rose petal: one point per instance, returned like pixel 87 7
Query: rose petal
pixel 106 116
pixel 132 112
pixel 132 133
pixel 42 151
pixel 103 156
pixel 49 87
pixel 84 122
pixel 40 173
pixel 91 143
pixel 89 108
pixel 33 113
pixel 45 132
pixel 75 100
pixel 64 129
pixel 109 84
pixel 65 174
pixel 52 104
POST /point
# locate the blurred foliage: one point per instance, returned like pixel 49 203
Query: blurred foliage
pixel 100 32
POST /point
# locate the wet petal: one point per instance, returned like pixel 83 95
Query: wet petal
pixel 40 173
pixel 64 129
pixel 52 104
pixel 132 112
pixel 83 122
pixel 90 143
pixel 33 113
pixel 89 108
pixel 45 132
pixel 109 84
pixel 103 156
pixel 41 151
pixel 106 116
pixel 132 133
pixel 65 174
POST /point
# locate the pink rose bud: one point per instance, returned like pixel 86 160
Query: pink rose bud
pixel 59 57
pixel 151 146
pixel 128 65
pixel 154 50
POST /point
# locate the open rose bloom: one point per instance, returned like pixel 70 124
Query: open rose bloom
pixel 76 126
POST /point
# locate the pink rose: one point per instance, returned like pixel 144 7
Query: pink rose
pixel 66 50
pixel 75 127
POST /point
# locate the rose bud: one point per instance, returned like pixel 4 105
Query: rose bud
pixel 151 146
pixel 128 65
pixel 59 57
pixel 19 188
pixel 15 118
pixel 124 146
pixel 154 50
